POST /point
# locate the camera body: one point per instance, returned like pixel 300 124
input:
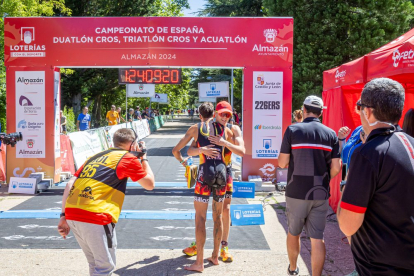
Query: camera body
pixel 11 138
pixel 141 153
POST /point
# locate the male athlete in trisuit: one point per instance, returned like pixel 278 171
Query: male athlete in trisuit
pixel 233 143
pixel 214 173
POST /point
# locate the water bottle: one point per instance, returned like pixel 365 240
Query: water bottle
pixel 189 161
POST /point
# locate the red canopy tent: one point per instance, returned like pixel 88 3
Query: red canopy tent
pixel 342 87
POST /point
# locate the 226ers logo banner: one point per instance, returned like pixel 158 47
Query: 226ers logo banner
pixel 148 41
pixel 267 114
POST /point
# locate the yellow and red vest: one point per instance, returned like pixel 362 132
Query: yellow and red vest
pixel 98 194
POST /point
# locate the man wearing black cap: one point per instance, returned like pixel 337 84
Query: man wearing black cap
pixel 310 150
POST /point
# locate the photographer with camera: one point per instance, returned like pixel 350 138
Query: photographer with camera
pixel 93 198
pixel 9 139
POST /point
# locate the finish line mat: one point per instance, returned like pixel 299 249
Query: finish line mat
pixel 171 233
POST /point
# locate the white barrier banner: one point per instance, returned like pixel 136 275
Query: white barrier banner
pixel 146 127
pixel 88 143
pixel 30 114
pixel 102 136
pixel 139 129
pixel 267 114
pixel 213 89
pixel 84 145
pixel 140 90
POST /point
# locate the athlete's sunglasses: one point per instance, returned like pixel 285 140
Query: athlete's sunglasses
pixel 226 115
pixel 360 105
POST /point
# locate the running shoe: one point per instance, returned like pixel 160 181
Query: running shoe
pixel 225 255
pixel 191 251
pixel 294 272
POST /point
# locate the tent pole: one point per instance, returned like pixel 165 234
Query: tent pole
pixel 126 103
pixel 231 88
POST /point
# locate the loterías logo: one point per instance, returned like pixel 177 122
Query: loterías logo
pixel 27 34
pixel 270 35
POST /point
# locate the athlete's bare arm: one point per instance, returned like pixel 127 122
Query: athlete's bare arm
pixel 209 150
pixel 63 227
pixel 236 146
pixel 192 133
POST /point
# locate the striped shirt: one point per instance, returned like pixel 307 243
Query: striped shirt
pixel 311 146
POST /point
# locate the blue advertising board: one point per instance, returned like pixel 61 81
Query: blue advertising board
pixel 243 189
pixel 246 214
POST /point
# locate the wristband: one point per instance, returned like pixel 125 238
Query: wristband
pixel 62 215
pixel 341 139
pixel 144 159
pixel 182 161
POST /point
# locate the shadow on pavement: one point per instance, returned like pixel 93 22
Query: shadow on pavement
pixel 154 267
pixel 338 260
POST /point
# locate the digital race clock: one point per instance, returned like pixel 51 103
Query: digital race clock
pixel 150 75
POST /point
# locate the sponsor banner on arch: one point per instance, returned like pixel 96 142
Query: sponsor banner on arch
pixel 160 98
pixel 213 89
pixel 267 114
pixel 140 90
pixel 148 41
pixel 30 113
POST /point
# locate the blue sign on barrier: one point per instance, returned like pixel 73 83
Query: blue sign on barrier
pixel 246 214
pixel 244 189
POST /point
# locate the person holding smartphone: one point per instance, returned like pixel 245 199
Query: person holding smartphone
pixel 93 198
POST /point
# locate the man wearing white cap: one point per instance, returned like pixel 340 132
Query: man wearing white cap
pixel 310 150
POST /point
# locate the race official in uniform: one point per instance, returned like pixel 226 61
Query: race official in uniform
pixel 93 198
pixel 377 206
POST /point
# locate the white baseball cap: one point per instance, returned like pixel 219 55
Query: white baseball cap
pixel 314 101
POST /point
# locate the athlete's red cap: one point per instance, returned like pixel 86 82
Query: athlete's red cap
pixel 224 107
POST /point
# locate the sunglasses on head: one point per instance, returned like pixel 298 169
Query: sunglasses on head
pixel 360 105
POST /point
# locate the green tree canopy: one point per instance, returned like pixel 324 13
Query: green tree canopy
pixel 328 33
pixel 98 88
pixel 16 8
pixel 232 8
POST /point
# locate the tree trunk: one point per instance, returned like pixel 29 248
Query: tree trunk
pixel 76 103
pixel 96 112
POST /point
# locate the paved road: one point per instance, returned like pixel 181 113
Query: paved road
pixel 171 233
pixel 153 247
